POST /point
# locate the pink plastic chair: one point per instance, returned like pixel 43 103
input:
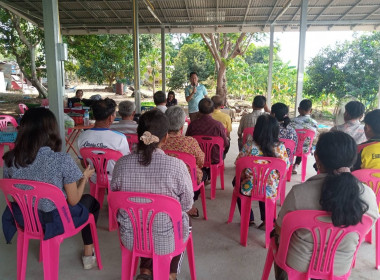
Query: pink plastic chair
pixel 49 249
pixel 132 140
pixel 290 146
pixel 207 143
pixel 100 159
pixel 22 108
pixel 189 160
pixel 321 264
pixel 367 177
pixel 4 121
pixel 141 209
pixel 260 171
pixel 247 131
pixel 303 134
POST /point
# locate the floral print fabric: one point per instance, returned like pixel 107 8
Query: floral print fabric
pixel 252 149
pixel 305 122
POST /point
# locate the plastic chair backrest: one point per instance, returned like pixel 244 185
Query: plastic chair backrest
pixel 367 176
pixel 142 209
pixel 302 135
pixel 22 108
pixel 27 200
pixel 260 172
pixel 100 159
pixel 289 145
pixel 247 131
pixel 132 139
pixel 189 160
pixel 5 119
pixel 207 143
pixel 324 234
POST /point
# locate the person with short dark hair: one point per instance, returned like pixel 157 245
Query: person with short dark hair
pixel 334 190
pixel 101 136
pixel 194 93
pixel 159 99
pixel 127 111
pixel 265 144
pixel 352 126
pixel 304 121
pixel 219 115
pixel 150 170
pixel 171 100
pixel 37 156
pixel 369 155
pixel 206 125
pixel 259 107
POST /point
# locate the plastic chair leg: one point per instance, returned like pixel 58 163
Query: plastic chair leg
pixel 377 245
pixel 214 174
pixel 289 174
pixel 190 257
pixel 244 221
pixel 368 237
pixel 1 154
pixel 221 170
pixel 112 223
pixel 22 254
pixel 232 207
pixel 269 216
pixel 282 190
pixel 203 198
pixel 100 196
pixel 268 264
pixel 50 249
pixel 127 264
pixel 304 165
pixel 161 267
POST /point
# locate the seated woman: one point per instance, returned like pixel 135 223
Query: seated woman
pixel 334 190
pixel 150 170
pixel 37 157
pixel 171 100
pixel 178 142
pixel 266 144
pixel 280 112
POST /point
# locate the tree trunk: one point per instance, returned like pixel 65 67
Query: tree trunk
pixel 42 92
pixel 221 84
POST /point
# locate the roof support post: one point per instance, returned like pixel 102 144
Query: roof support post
pixel 54 63
pixel 136 55
pixel 378 94
pixel 301 53
pixel 270 66
pixel 163 61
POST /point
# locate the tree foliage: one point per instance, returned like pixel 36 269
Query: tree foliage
pixel 105 58
pixel 350 68
pixel 24 41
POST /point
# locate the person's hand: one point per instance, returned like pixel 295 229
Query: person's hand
pixel 87 173
pixel 266 108
pixel 194 89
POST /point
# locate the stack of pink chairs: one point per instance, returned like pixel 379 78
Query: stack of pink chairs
pixel 290 146
pixel 4 121
pixel 133 140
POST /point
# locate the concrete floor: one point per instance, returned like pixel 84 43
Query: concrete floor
pixel 217 248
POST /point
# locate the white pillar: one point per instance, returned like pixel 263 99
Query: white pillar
pixel 163 60
pixel 136 54
pixel 54 63
pixel 270 67
pixel 301 53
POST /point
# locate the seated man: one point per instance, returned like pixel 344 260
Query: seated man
pixel 100 136
pixel 369 155
pixel 159 99
pixel 352 126
pixel 127 110
pixel 218 115
pixel 259 107
pixel 206 125
pixel 304 121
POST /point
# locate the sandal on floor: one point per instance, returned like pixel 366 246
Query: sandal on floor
pixel 144 277
pixel 261 226
pixel 194 215
pixel 252 223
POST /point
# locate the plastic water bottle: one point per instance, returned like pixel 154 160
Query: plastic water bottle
pixel 86 118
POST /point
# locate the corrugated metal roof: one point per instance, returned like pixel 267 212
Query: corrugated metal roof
pixel 104 16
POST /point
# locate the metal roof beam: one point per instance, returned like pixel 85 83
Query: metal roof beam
pixel 349 10
pixel 324 9
pixel 248 7
pixel 21 12
pixel 112 10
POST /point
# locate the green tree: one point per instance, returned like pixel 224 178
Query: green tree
pixel 24 41
pixel 191 57
pixel 350 68
pixel 105 58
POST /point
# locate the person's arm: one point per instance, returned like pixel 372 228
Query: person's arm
pixel 266 109
pixel 190 95
pixel 74 191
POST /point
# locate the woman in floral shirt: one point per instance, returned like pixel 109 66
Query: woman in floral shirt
pixel 265 143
